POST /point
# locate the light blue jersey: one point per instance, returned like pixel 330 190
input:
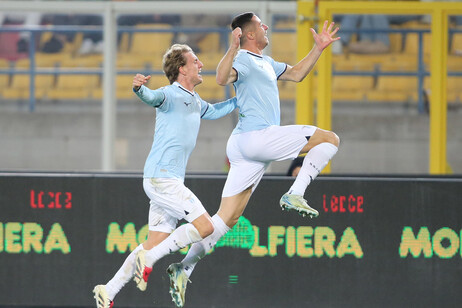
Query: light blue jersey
pixel 257 91
pixel 178 117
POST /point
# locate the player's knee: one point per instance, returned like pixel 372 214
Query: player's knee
pixel 330 137
pixel 333 138
pixel 206 229
pixel 232 222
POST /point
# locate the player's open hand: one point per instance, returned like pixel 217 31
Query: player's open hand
pixel 236 37
pixel 140 80
pixel 325 38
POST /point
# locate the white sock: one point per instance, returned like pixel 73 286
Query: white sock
pixel 182 236
pixel 123 275
pixel 315 160
pixel 200 249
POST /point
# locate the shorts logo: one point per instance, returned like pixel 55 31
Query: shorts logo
pixel 187 104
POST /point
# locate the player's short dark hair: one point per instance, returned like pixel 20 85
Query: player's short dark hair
pixel 242 20
pixel 174 59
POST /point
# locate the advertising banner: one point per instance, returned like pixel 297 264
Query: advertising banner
pixel 378 242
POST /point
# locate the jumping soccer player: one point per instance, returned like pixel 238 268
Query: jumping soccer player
pixel 178 115
pixel 258 138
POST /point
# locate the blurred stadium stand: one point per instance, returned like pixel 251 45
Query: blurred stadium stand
pixel 67 78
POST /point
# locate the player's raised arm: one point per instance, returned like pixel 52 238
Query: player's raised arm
pixel 322 40
pixel 153 98
pixel 225 72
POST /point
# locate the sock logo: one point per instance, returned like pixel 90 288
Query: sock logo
pixel 316 168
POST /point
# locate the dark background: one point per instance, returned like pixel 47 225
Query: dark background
pixel 381 278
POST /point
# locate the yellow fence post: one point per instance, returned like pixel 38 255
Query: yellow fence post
pixel 438 101
pixel 304 102
pixel 438 108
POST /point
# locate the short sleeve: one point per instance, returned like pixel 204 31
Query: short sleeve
pixel 242 67
pixel 278 67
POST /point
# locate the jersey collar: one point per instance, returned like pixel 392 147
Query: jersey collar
pixel 251 53
pixel 176 83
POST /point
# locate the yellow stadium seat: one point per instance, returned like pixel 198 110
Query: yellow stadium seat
pixel 396 40
pixel 50 60
pixel 152 43
pixel 124 85
pixel 19 88
pixel 90 61
pixel 210 43
pixel 124 43
pixel 397 83
pixel 4 82
pixel 454 92
pixel 394 89
pixel 456 44
pixel 344 64
pixel 411 40
pixel 22 63
pixel 454 63
pixel 352 83
pixel 210 60
pixel 351 88
pixel 127 61
pixel 74 86
pixel 4 63
pixel 400 63
pixel 209 90
pixel 390 96
pixel 283 47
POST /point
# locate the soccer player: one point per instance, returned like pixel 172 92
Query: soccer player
pixel 179 110
pixel 258 139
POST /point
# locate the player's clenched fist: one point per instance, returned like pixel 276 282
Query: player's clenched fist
pixel 140 80
pixel 235 37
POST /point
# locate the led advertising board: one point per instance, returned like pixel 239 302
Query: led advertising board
pixel 378 242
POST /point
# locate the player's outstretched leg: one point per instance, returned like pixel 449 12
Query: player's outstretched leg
pixel 142 272
pixel 178 282
pixel 102 299
pixel 297 203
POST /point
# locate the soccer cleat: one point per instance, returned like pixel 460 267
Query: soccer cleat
pixel 297 203
pixel 178 281
pixel 142 272
pixel 102 300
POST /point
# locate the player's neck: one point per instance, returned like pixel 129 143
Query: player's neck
pixel 252 48
pixel 185 84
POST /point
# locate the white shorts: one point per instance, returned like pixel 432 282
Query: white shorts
pixel 170 201
pixel 251 153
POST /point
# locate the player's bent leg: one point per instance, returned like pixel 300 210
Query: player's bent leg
pixel 321 147
pixel 203 225
pixel 102 299
pixel 178 283
pixel 321 136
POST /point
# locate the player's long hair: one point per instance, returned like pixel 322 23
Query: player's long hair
pixel 174 59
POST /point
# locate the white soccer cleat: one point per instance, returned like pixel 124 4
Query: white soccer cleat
pixel 102 300
pixel 142 272
pixel 178 282
pixel 297 203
